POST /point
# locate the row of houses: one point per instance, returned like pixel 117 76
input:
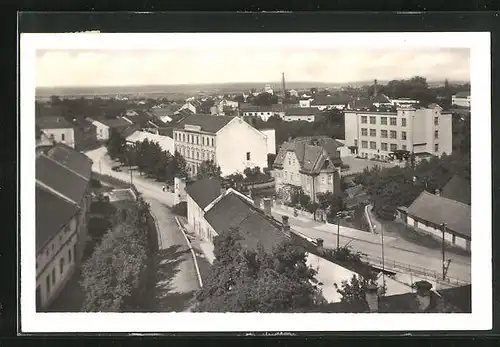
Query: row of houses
pixel 212 209
pixel 62 201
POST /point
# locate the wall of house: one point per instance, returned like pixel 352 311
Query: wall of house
pixel 65 135
pixel 61 248
pixel 351 128
pixel 305 103
pixel 270 140
pixel 197 221
pixel 234 141
pixel 307 118
pixel 463 102
pixel 445 134
pixel 438 234
pixel 195 147
pixel 102 131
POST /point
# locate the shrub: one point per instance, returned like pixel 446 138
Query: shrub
pixel 180 209
pixel 95 183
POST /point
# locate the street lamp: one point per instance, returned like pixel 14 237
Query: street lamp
pixel 339 215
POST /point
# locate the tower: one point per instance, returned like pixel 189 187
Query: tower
pixel 283 90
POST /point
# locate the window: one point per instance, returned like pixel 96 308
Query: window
pixel 197 155
pixel 289 161
pixel 436 147
pixel 62 137
pixel 373 120
pixel 373 145
pixel 394 146
pixel 291 176
pixel 53 275
pixel 322 179
pixel 364 144
pixel 436 120
pixel 436 134
pixel 364 119
pixel 404 147
pixel 213 142
pixel 383 146
pixel 383 120
pixel 248 155
pixel 383 134
pixel 69 256
pixel 373 132
pixel 364 132
pixel 203 155
pixel 393 134
pixel 356 143
pixel 184 137
pixel 330 179
pixel 403 122
pixel 61 265
pixel 393 120
pixel 403 135
pixel 47 283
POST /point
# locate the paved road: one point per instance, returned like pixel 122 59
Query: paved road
pixel 176 274
pixel 408 254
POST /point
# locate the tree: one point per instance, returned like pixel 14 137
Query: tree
pixel 208 169
pixel 354 291
pixel 179 166
pixel 116 145
pixel 245 280
pixel 239 98
pixel 265 99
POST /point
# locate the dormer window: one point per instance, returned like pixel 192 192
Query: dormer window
pixel 326 164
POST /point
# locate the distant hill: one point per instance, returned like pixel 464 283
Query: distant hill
pixel 189 89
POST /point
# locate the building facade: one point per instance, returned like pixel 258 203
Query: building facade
pixel 310 163
pixel 461 99
pixel 373 134
pixel 307 114
pixel 229 142
pixel 57 129
pixel 62 201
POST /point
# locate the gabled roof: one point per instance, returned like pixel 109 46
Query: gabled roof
pixel 210 124
pixel 234 211
pixel 458 189
pixel 302 111
pixel 381 99
pixel 53 122
pixel 52 214
pixel 113 122
pixel 53 174
pixel 72 159
pixel 204 191
pixel 311 152
pixel 438 209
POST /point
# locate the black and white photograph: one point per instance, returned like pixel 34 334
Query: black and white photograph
pixel 172 178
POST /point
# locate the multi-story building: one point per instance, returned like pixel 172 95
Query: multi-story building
pixel 308 114
pixel 328 102
pixel 424 131
pixel 229 142
pixel 461 99
pixel 62 201
pixel 312 163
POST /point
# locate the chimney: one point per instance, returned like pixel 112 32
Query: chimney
pixel 371 297
pixel 423 294
pixel 437 192
pixel 286 226
pixel 267 206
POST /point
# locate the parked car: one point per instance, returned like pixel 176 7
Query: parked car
pixel 116 168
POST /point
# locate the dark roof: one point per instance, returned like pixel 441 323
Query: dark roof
pixel 234 211
pixel 204 191
pixel 458 189
pixel 302 111
pixel 361 103
pixel 72 159
pixel 310 152
pixel 52 213
pixel 166 131
pixel 114 122
pixel 381 98
pixel 53 122
pixel 438 209
pixel 462 94
pixel 210 124
pixel 331 100
pixel 185 112
pixel 126 132
pixel 453 300
pixel 59 178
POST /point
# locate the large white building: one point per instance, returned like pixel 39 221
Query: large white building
pixel 229 142
pixel 424 131
pixel 461 99
pixel 57 129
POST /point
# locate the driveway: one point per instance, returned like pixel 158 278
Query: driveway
pixel 176 274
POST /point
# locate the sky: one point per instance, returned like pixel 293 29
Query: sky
pixel 86 68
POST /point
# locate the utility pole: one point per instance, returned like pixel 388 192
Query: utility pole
pixel 443 225
pixel 383 258
pixel 100 172
pixel 339 214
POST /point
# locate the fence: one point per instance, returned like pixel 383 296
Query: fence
pixel 396 266
pixel 258 185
